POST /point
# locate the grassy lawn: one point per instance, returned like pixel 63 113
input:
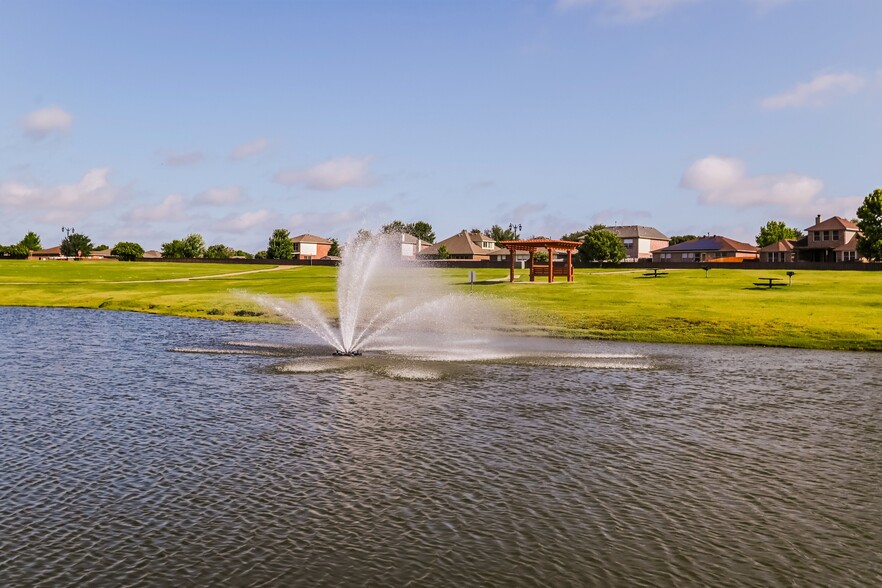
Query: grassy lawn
pixel 822 309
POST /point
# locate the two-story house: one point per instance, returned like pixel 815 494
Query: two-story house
pixel 463 245
pixel 834 239
pixel 640 242
pixel 308 246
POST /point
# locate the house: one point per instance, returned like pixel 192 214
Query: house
pixel 640 242
pixel 464 245
pixel 711 248
pixel 410 245
pixel 48 253
pixel 834 239
pixel 308 246
pixel 783 251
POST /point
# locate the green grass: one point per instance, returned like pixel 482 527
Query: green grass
pixel 822 309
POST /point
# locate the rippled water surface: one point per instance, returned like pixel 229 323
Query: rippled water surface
pixel 254 459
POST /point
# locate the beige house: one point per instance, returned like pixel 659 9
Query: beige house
pixel 410 245
pixel 783 251
pixel 640 242
pixel 834 239
pixel 308 246
pixel 464 245
pixel 711 248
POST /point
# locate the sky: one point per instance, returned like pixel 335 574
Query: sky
pixel 147 121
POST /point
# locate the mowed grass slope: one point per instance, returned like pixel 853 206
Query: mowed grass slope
pixel 822 309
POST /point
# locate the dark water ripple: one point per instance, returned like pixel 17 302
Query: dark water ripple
pixel 124 464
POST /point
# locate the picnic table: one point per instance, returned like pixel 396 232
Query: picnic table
pixel 655 273
pixel 770 282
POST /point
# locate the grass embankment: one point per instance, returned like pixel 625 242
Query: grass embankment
pixel 822 309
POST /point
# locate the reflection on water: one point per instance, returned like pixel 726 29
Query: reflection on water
pixel 124 463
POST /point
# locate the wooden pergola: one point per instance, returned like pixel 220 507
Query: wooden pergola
pixel 550 270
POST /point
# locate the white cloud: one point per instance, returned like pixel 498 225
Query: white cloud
pixel 64 202
pixel 172 208
pixel 184 158
pixel 250 148
pixel 219 196
pixel 822 89
pixel 628 10
pixel 42 123
pixel 724 181
pixel 239 223
pixel 332 174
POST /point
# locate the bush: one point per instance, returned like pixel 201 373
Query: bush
pixel 127 251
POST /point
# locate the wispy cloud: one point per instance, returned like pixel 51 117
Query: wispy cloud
pixel 219 196
pixel 821 90
pixel 246 221
pixel 249 149
pixel 333 174
pixel 66 202
pixel 724 181
pixel 172 208
pixel 39 124
pixel 183 158
pixel 343 222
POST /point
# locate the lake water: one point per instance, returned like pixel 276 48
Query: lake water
pixel 245 462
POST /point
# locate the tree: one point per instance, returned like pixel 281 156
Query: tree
pixel 442 252
pixel 18 251
pixel 577 236
pixel 869 243
pixel 499 234
pixel 676 239
pixel 31 241
pixel 127 251
pixel 540 256
pixel 280 245
pixel 420 229
pixel 245 254
pixel 219 251
pixel 260 255
pixel 775 231
pixel 76 245
pixel 601 244
pixel 191 246
pixel 335 248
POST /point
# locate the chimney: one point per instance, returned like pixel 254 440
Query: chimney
pixel 818 219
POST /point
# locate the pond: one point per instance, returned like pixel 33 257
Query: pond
pixel 250 460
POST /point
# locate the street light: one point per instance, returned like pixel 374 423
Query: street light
pixel 515 228
pixel 67 231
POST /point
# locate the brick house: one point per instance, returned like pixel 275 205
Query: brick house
pixel 640 242
pixel 711 248
pixel 308 246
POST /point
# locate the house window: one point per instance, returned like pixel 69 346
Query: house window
pixel 816 235
pixel 835 235
pixel 849 256
pixel 826 235
pixel 629 243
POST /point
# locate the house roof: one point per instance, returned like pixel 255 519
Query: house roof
pixel 850 246
pixel 710 243
pixel 461 243
pixel 638 232
pixel 153 254
pixel 49 251
pixel 307 238
pixel 835 222
pixel 782 245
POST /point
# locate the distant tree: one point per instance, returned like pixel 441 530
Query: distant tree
pixel 194 246
pixel 173 249
pixel 219 251
pixel 869 215
pixel 18 251
pixel 260 255
pixel 601 244
pixel 245 254
pixel 280 245
pixel 499 234
pixel 361 236
pixel 76 245
pixel 676 239
pixel 577 236
pixel 101 247
pixel 127 251
pixel 775 231
pixel 31 241
pixel 335 248
pixel 420 229
pixel 540 257
pixel 442 252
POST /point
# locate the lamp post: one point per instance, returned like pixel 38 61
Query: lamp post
pixel 515 229
pixel 67 231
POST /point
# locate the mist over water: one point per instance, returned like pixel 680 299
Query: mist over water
pixel 395 305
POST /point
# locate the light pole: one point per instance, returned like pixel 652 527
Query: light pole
pixel 67 231
pixel 515 229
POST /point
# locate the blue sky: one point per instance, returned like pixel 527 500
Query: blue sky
pixel 147 121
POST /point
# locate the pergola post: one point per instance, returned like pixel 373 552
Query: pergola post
pixel 532 274
pixel 550 265
pixel 569 265
pixel 512 252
